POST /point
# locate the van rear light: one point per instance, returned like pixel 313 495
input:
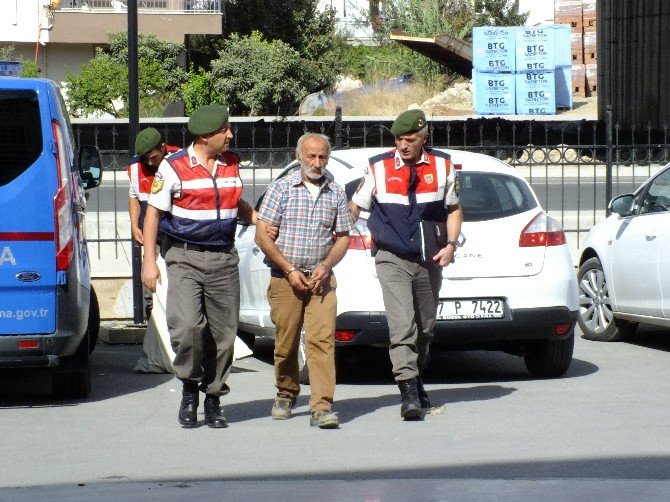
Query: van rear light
pixel 344 335
pixel 64 230
pixel 62 206
pixel 29 344
pixel 542 230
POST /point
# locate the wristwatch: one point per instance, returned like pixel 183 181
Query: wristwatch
pixel 292 269
pixel 453 243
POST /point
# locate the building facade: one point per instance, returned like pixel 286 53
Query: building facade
pixel 61 35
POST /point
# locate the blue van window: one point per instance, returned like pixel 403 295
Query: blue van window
pixel 20 133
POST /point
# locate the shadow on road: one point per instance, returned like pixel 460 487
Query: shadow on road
pixel 652 337
pixel 111 376
pixel 371 366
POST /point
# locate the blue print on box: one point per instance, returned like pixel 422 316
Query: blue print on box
pixel 493 93
pixel 493 49
pixel 535 49
pixel 535 93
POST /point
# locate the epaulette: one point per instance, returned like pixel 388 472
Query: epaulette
pixel 437 153
pixel 381 156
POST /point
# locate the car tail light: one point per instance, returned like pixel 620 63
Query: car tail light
pixel 562 328
pixel 360 241
pixel 62 206
pixel 360 237
pixel 344 335
pixel 29 344
pixel 542 230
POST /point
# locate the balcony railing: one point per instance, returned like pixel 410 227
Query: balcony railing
pixel 143 6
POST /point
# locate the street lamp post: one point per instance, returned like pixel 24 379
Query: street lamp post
pixel 133 129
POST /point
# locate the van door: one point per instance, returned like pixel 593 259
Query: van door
pixel 28 186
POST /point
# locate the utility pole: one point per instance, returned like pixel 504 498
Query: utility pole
pixel 133 129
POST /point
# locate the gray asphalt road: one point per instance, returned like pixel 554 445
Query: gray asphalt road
pixel 599 433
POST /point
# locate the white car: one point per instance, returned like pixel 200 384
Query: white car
pixel 624 273
pixel 512 286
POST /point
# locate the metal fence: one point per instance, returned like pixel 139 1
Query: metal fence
pixel 575 167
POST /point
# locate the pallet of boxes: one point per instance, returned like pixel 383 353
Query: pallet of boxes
pixel 525 70
pixel 580 15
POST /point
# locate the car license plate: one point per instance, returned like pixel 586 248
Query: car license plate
pixel 473 308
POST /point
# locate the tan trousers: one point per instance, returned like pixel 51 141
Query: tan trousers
pixel 290 310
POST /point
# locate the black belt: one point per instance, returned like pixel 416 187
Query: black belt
pixel 199 247
pixel 275 272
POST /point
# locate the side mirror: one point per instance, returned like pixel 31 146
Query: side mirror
pixel 622 205
pixel 90 166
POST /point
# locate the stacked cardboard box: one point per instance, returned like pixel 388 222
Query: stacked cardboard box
pixel 494 62
pixel 521 69
pixel 581 16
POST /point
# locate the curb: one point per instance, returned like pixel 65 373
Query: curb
pixel 120 332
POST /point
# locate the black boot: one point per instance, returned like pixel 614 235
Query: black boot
pixel 423 395
pixel 411 406
pixel 213 414
pixel 188 410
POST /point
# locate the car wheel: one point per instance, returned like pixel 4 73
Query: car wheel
pixel 596 318
pixel 302 360
pixel 72 378
pixel 549 358
pixel 93 321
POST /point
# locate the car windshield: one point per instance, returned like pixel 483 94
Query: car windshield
pixel 488 196
pixel 20 133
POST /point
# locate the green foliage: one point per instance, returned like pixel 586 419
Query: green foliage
pixel 499 13
pixel 151 48
pixel 297 23
pixel 30 69
pixel 102 85
pixel 199 91
pixel 99 86
pixel 254 76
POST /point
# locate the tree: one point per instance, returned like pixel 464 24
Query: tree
pixel 254 76
pixel 298 23
pixel 99 88
pixel 102 84
pixel 499 13
pixel 29 68
pixel 199 90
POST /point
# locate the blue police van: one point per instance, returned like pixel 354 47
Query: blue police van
pixel 49 316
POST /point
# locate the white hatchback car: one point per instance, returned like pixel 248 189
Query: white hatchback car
pixel 624 272
pixel 512 286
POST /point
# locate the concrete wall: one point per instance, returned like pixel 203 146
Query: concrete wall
pixel 22 20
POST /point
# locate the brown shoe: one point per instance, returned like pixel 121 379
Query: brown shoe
pixel 281 409
pixel 324 419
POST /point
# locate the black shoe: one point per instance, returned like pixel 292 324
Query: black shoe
pixel 423 395
pixel 213 413
pixel 188 410
pixel 410 409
